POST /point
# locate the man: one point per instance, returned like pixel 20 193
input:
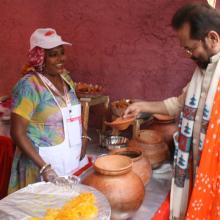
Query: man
pixel 196 160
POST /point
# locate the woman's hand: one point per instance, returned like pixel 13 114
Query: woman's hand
pixel 49 175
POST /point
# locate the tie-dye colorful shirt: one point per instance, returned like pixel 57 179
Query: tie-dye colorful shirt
pixel 32 100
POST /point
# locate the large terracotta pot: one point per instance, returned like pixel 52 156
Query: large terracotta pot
pixel 114 177
pixel 166 129
pixel 155 149
pixel 141 165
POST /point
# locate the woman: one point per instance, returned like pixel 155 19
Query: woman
pixel 46 115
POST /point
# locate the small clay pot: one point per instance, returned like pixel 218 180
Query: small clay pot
pixel 141 165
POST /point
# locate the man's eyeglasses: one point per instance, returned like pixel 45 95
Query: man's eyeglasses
pixel 190 51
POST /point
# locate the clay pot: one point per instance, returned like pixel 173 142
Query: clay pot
pixel 120 123
pixel 141 165
pixel 166 130
pixel 122 187
pixel 149 137
pixel 155 149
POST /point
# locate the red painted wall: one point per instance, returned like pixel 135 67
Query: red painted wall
pixel 127 46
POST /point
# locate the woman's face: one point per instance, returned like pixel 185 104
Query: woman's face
pixel 54 60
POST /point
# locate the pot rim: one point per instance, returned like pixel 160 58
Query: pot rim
pixel 121 151
pixel 113 171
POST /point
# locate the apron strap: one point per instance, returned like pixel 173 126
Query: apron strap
pixel 49 85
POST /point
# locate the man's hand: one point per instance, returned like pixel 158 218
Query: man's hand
pixel 134 109
pixel 150 107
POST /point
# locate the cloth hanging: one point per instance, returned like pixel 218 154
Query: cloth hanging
pixel 6 158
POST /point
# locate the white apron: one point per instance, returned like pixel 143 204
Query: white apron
pixel 64 158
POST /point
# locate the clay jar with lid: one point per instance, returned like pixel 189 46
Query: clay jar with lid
pixel 141 165
pixel 114 177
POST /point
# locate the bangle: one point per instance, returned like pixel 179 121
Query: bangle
pixel 87 137
pixel 44 167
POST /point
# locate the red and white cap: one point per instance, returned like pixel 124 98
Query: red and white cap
pixel 46 38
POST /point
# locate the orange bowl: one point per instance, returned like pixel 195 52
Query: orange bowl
pixel 120 123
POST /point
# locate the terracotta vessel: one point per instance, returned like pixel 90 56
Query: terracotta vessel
pixel 166 129
pixel 120 123
pixel 155 149
pixel 141 165
pixel 149 137
pixel 122 187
